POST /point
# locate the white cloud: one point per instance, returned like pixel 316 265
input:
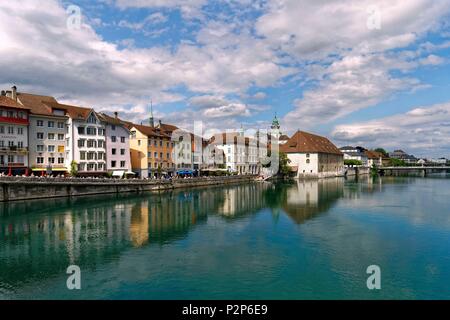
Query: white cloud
pixel 189 8
pixel 424 131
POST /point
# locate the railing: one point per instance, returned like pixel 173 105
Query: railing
pixel 13 149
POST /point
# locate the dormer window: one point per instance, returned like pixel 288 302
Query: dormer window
pixel 92 119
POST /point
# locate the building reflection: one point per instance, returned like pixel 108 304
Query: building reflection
pixel 307 199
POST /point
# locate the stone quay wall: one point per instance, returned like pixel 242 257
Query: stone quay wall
pixel 27 188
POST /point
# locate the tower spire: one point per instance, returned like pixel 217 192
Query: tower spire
pixel 152 119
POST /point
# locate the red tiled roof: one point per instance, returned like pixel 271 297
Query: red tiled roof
pixel 150 131
pixel 75 112
pixel 10 103
pixel 373 154
pixel 36 103
pixel 302 142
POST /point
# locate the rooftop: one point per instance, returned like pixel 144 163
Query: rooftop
pixel 304 142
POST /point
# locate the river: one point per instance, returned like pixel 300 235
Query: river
pixel 285 240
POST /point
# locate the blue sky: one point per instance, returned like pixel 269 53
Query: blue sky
pixel 373 73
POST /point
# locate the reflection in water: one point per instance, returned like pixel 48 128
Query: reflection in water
pixel 39 239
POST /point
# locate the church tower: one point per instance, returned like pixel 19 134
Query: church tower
pixel 275 127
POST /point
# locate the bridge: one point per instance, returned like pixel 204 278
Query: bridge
pixel 423 170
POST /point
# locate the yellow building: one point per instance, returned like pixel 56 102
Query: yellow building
pixel 151 151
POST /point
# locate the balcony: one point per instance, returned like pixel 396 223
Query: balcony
pixel 14 150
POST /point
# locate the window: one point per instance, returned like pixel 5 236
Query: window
pixel 92 144
pixel 51 124
pixel 149 154
pixel 19 130
pixel 61 149
pixel 101 143
pixel 113 138
pixel 82 155
pixel 91 131
pixel 20 159
pixel 60 160
pixel 122 139
pixel 80 130
pixel 168 155
pixel 168 144
pixel 60 125
pixel 139 142
pixel 122 164
pixel 10 159
pixel 113 127
pixel 60 137
pixel 2 129
pixel 101 132
pixel 122 152
pixel 40 160
pixel 81 143
pixel 39 123
pixel 113 151
pixel 133 134
pixel 51 160
pixel 92 119
pixel 156 154
pixel 307 155
pixel 51 136
pixel 160 143
pixel 20 144
pixel 101 156
pixel 51 148
pixel 100 166
pixel 113 164
pixel 91 156
pixel 40 148
pixel 10 130
pixel 307 161
pixel 40 135
pixel 161 155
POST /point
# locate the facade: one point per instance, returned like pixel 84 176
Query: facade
pixel 47 134
pixel 86 141
pixel 151 151
pixel 241 155
pixel 374 158
pixel 117 144
pixel 355 153
pixel 401 155
pixel 14 120
pixel 313 156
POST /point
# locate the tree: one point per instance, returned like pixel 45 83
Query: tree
pixel 73 168
pixel 285 168
pixel 382 151
pixel 159 170
pixel 398 163
pixel 352 162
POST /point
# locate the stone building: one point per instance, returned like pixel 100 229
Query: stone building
pixel 313 156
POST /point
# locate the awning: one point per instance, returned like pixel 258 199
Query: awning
pixel 59 169
pixel 130 172
pixel 118 173
pixel 185 172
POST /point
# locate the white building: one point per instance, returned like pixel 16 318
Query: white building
pixel 47 137
pixel 86 141
pixel 241 154
pixel 313 156
pixel 355 153
pixel 117 144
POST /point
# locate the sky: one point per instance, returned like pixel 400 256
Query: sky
pixel 361 72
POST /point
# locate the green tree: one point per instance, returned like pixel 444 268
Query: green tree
pixel 352 162
pixel 397 163
pixel 159 170
pixel 382 151
pixel 285 168
pixel 73 168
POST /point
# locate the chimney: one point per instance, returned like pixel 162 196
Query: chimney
pixel 116 115
pixel 14 93
pixel 160 123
